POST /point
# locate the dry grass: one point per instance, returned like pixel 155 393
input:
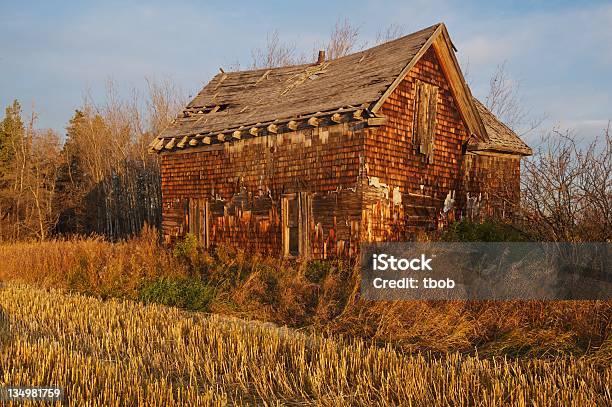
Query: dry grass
pixel 122 353
pixel 492 328
pixel 322 297
pixel 90 265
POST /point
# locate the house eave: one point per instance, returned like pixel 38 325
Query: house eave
pixel 484 147
pixel 166 143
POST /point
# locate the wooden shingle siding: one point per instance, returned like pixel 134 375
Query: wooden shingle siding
pixel 244 182
pixel 393 155
pixel 492 182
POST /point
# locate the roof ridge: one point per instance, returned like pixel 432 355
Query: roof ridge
pixel 275 68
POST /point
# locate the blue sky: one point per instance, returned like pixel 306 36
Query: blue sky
pixel 52 53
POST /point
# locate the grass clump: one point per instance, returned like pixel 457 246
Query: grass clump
pixel 183 292
pixel 316 270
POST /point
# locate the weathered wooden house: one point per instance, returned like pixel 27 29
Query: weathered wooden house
pixel 311 160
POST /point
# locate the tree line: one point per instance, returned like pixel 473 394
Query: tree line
pixel 99 180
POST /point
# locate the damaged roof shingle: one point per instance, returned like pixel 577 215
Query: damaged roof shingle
pixel 351 84
pixel 283 93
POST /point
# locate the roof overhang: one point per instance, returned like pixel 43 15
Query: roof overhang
pixel 480 147
pixel 364 112
pixel 350 114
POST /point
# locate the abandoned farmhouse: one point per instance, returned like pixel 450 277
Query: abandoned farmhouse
pixel 311 160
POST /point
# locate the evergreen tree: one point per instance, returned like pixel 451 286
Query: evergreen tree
pixel 11 134
pixel 72 180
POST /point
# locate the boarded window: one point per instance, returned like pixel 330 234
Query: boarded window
pixel 293 226
pixel 426 101
pixel 295 215
pixel 197 220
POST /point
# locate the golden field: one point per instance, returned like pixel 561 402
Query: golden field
pixel 118 353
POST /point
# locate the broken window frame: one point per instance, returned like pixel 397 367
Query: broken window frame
pixel 197 221
pixel 425 118
pixel 299 225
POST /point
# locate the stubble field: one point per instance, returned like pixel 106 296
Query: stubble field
pixel 118 353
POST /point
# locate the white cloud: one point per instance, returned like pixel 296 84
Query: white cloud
pixel 481 50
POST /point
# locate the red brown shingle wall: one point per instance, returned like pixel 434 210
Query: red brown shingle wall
pixel 244 181
pixel 393 159
pixel 492 185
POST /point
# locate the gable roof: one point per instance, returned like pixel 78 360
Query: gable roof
pixel 249 103
pixel 501 137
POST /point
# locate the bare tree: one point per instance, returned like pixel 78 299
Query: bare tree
pixel 163 103
pixel 108 183
pixel 567 189
pixel 275 53
pixel 44 165
pixel 28 164
pixel 391 32
pixel 503 97
pixel 343 39
pixel 504 101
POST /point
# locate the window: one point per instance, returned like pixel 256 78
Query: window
pixel 426 100
pixel 295 216
pixel 197 220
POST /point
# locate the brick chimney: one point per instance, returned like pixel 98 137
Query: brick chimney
pixel 321 57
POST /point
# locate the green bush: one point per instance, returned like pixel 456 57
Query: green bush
pixel 316 270
pixel 269 289
pixel 186 249
pixel 183 292
pixel 488 231
pixel 225 267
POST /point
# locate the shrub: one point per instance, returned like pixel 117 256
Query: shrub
pixel 488 231
pixel 184 292
pixel 262 286
pixel 316 270
pixel 78 280
pixel 186 249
